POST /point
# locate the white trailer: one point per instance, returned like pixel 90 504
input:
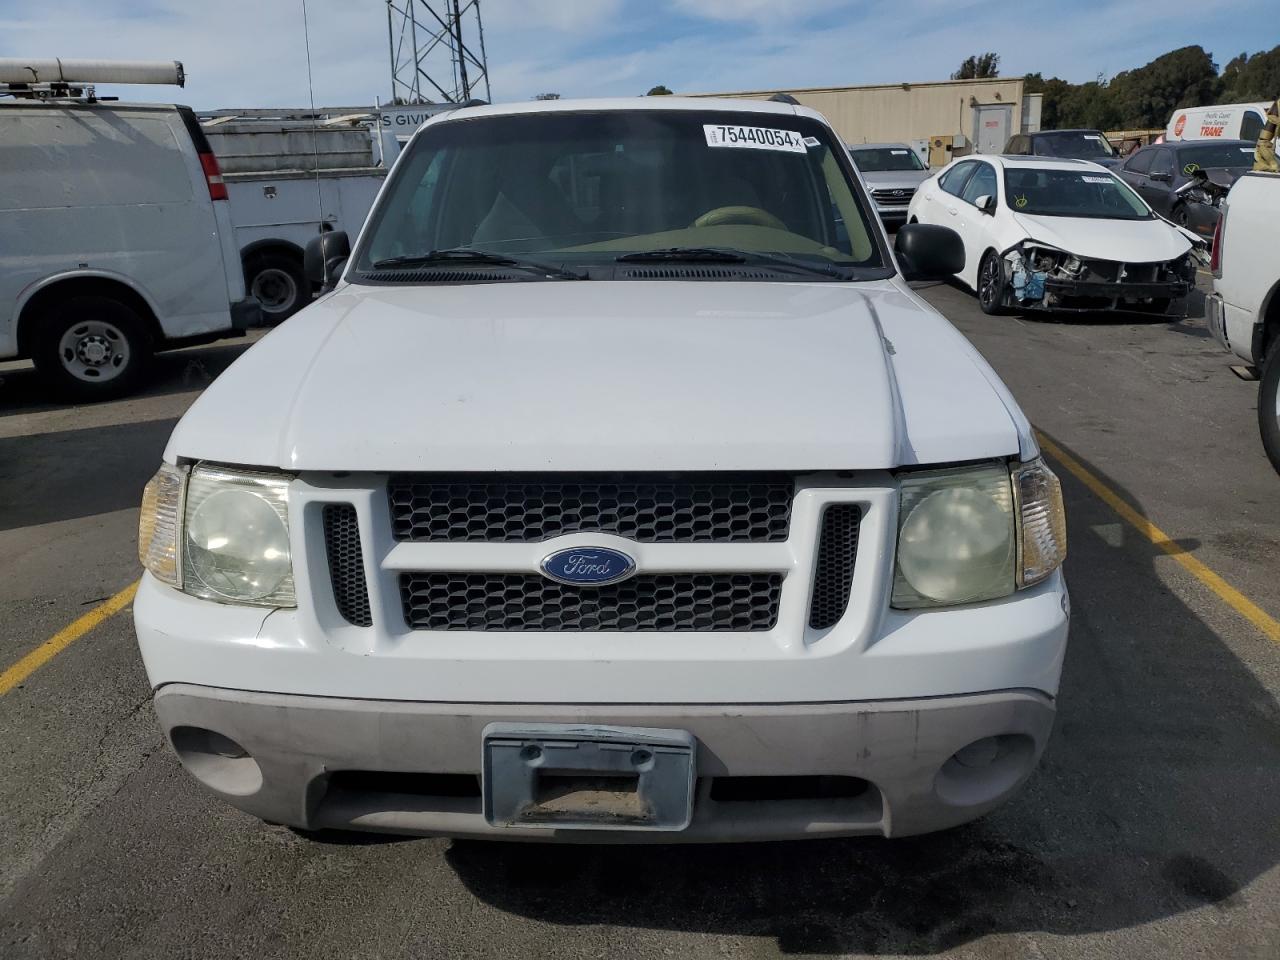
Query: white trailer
pixel 289 180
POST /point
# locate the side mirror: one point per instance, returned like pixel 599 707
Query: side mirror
pixel 987 204
pixel 928 252
pixel 324 257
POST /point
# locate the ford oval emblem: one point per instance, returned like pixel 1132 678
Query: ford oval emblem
pixel 588 566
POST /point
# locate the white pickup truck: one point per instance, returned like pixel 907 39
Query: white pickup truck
pixel 619 488
pixel 1244 309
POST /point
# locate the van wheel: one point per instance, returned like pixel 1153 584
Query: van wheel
pixel 1269 404
pixel 991 285
pixel 277 282
pixel 92 348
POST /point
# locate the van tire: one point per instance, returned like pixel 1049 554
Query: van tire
pixel 1268 399
pixel 91 348
pixel 278 282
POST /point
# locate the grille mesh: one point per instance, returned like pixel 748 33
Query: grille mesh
pixel 887 195
pixel 833 577
pixel 346 563
pixel 526 602
pixel 689 509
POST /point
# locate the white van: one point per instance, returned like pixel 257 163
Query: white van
pixel 1232 121
pixel 115 241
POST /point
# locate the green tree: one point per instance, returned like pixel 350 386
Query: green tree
pixel 1252 78
pixel 660 90
pixel 983 66
pixel 1147 96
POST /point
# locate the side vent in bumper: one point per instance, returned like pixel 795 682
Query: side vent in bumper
pixel 346 563
pixel 833 573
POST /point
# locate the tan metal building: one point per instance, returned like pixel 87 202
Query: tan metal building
pixel 963 116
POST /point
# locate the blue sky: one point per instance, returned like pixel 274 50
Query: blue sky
pixel 251 52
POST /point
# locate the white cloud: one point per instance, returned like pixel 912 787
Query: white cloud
pixel 758 11
pixel 563 15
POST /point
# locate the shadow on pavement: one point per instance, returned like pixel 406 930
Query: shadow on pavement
pixel 180 371
pixel 47 477
pixel 1157 795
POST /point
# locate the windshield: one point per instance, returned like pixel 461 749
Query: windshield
pixel 1079 144
pixel 1072 193
pixel 582 189
pixel 1215 156
pixel 882 159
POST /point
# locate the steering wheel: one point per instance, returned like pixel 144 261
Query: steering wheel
pixel 752 215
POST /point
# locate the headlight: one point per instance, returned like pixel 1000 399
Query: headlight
pixel 976 533
pixel 955 537
pixel 160 524
pixel 235 546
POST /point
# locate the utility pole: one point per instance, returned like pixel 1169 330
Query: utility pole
pixel 437 51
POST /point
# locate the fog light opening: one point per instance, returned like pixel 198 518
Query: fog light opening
pixel 216 760
pixel 985 770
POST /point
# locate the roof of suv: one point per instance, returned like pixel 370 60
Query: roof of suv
pixel 1049 133
pixel 703 104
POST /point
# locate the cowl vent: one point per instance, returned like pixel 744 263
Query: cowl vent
pixel 440 276
pixel 695 273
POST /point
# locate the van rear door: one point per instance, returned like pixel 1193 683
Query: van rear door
pixel 212 175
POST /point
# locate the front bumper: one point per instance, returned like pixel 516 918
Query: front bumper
pixel 323 762
pixel 892 213
pixel 1069 295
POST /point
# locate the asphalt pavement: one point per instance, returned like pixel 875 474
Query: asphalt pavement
pixel 1152 828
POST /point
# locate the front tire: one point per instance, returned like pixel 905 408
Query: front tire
pixel 991 285
pixel 1269 404
pixel 92 348
pixel 277 281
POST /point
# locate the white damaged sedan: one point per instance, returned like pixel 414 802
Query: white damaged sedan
pixel 1056 234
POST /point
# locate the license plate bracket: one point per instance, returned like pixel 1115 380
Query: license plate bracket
pixel 587 777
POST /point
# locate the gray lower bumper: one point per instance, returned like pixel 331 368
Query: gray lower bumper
pixel 302 752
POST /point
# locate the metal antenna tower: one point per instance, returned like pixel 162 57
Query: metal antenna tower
pixel 434 46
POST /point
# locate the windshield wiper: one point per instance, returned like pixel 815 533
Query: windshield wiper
pixel 786 260
pixel 465 256
pixel 684 255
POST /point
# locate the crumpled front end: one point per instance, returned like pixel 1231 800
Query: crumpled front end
pixel 1041 277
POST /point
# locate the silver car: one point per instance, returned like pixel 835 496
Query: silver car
pixel 892 172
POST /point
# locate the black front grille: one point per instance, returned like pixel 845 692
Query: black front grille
pixel 652 602
pixel 721 508
pixel 892 196
pixel 346 563
pixel 833 577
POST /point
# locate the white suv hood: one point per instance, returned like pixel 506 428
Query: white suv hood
pixel 600 375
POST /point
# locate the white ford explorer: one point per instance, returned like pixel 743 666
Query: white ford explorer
pixel 619 488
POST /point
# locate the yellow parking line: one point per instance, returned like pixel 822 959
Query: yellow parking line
pixel 68 635
pixel 1238 602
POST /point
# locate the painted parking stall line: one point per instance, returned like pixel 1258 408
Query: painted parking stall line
pixel 1267 624
pixel 37 658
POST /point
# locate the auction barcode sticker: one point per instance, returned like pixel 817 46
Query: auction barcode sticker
pixel 753 138
pixel 1088 179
